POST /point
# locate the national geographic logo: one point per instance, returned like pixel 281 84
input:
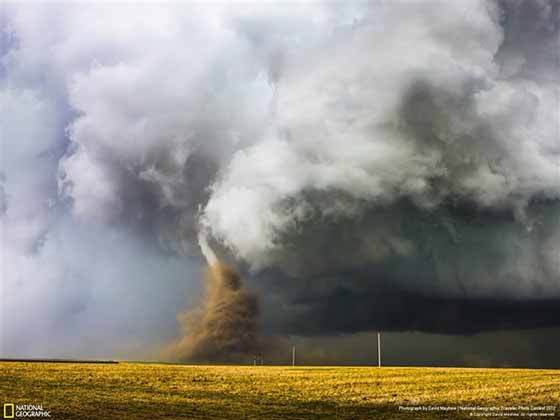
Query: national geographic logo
pixel 11 411
pixel 8 411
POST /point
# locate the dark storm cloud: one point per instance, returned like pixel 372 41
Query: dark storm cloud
pixel 518 348
pixel 472 270
pixel 350 307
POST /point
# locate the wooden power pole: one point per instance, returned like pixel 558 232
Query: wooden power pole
pixel 378 349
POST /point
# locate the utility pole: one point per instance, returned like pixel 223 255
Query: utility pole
pixel 378 349
pixel 293 355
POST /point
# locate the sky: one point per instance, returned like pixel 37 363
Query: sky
pixel 361 166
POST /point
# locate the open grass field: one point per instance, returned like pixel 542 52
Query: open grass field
pixel 165 391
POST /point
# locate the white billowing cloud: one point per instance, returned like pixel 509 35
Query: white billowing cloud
pixel 198 91
pixel 91 187
pixel 340 116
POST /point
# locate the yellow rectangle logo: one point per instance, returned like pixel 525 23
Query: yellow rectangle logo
pixel 8 411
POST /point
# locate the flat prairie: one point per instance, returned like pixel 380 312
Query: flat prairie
pixel 174 391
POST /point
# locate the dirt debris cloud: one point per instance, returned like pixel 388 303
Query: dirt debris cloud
pixel 223 327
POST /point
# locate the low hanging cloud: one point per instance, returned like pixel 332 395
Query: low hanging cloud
pixel 362 165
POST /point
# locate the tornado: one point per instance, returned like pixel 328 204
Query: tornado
pixel 224 327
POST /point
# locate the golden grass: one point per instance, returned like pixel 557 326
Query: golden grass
pixel 166 391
